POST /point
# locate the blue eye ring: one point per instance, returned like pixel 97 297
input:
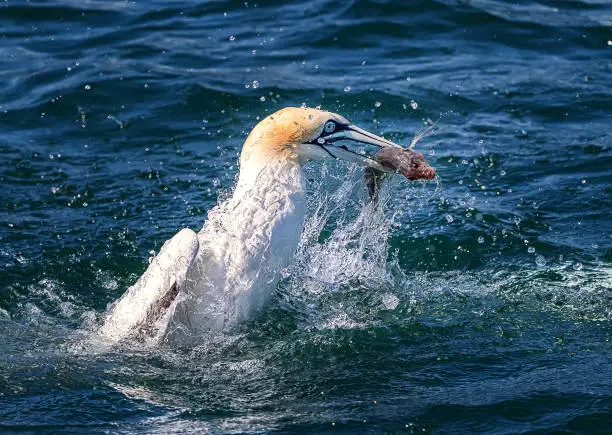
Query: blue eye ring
pixel 329 127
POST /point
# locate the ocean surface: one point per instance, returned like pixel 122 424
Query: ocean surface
pixel 479 302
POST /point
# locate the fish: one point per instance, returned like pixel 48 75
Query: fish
pixel 404 161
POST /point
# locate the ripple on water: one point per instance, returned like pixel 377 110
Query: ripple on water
pixel 121 124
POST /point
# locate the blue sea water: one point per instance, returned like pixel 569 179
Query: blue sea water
pixel 482 303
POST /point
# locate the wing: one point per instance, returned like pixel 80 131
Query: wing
pixel 144 303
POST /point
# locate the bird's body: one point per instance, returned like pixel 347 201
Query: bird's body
pixel 244 245
pixel 221 276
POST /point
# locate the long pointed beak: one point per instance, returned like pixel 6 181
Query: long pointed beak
pixel 360 135
pixel 356 134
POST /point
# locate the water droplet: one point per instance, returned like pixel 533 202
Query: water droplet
pixel 232 38
pixel 377 104
pixel 390 301
pixel 531 249
pixel 414 105
pixel 540 260
pixel 255 84
pixel 577 266
pixel 480 239
pixel 87 87
pixel 262 98
pixel 347 89
pixel 449 218
pixel 502 173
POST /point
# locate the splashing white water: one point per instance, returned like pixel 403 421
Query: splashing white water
pixel 342 262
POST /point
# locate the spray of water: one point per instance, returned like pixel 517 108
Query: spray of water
pixel 342 273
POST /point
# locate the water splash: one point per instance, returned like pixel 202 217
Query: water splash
pixel 343 274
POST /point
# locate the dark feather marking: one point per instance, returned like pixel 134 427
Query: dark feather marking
pixel 154 313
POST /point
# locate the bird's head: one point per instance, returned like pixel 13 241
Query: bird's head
pixel 301 134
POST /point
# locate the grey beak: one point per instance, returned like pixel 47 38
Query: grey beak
pixel 358 135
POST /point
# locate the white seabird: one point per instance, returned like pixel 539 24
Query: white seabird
pixel 221 276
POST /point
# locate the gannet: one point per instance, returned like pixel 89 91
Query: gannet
pixel 221 276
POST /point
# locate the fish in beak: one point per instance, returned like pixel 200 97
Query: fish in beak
pixel 390 158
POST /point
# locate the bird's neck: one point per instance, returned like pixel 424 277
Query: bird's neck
pixel 265 176
pixel 261 229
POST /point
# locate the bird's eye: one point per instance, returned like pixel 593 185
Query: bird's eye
pixel 329 127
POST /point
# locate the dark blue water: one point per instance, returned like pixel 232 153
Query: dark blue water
pixel 120 123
